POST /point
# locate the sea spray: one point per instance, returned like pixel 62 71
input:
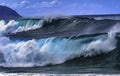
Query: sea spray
pixel 103 46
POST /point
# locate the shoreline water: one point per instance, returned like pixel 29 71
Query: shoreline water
pixel 42 74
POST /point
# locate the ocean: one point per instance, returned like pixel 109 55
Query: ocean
pixel 60 45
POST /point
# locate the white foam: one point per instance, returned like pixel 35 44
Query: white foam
pixel 100 46
pixel 51 51
pixel 13 26
pixel 6 28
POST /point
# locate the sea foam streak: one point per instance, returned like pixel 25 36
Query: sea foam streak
pixel 51 50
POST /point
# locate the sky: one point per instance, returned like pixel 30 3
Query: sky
pixel 63 7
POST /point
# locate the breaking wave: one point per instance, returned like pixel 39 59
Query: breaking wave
pixel 53 50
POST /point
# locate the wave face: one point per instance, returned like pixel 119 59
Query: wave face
pixel 60 27
pixel 60 40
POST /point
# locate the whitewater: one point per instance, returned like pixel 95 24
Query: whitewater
pixel 49 50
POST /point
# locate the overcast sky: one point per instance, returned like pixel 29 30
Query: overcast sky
pixel 63 7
